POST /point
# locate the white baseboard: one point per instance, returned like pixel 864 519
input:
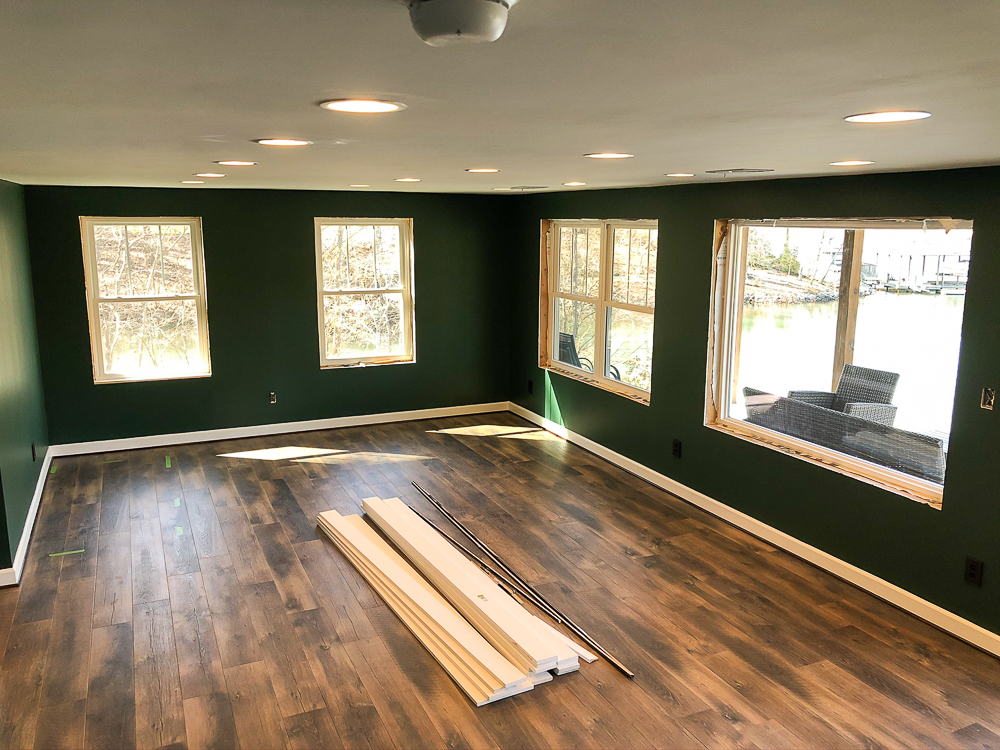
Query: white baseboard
pixel 231 433
pixel 10 576
pixel 925 610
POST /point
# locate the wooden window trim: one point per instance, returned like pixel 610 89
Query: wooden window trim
pixel 94 298
pixel 406 276
pixel 603 302
pixel 728 273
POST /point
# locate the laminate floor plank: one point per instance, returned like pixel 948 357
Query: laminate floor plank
pixel 255 709
pixel 206 612
pixel 198 656
pixel 234 631
pixel 110 723
pixel 159 711
pixel 113 597
pixel 67 664
pixel 209 722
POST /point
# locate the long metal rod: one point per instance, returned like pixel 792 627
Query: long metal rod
pixel 529 591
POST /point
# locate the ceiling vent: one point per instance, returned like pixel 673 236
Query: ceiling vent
pixel 443 22
pixel 738 170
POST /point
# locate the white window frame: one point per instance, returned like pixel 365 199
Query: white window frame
pixel 728 275
pixel 547 343
pixel 94 298
pixel 406 289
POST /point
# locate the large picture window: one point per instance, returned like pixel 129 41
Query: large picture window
pixel 365 303
pixel 597 301
pixel 146 298
pixel 838 341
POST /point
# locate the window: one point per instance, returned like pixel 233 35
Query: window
pixel 363 271
pixel 146 298
pixel 597 300
pixel 837 340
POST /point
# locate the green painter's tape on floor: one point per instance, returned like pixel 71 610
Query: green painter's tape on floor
pixel 53 470
pixel 180 531
pixel 177 502
pixel 71 552
pixel 167 461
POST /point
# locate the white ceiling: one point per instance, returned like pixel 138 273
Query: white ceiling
pixel 121 92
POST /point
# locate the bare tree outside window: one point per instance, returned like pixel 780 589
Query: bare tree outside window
pixel 145 286
pixel 365 305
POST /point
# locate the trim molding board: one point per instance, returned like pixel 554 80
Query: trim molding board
pixel 925 610
pixel 921 608
pixel 279 428
pixel 11 576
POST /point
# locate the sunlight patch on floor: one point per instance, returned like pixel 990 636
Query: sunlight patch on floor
pixel 283 453
pixel 367 456
pixel 499 430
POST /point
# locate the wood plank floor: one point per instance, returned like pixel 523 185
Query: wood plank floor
pixel 204 611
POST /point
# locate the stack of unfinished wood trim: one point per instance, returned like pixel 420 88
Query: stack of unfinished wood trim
pixel 508 651
pixel 482 673
pixel 528 642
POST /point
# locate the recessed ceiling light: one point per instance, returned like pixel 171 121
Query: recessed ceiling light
pixel 408 179
pixel 896 116
pixel 574 184
pixel 609 155
pixel 282 142
pixel 209 174
pixel 483 170
pixel 679 174
pixel 850 163
pixel 359 185
pixel 192 182
pixel 235 163
pixel 362 106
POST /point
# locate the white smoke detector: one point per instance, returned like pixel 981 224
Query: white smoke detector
pixel 441 22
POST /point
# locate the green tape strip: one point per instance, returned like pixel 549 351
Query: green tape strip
pixel 177 502
pixel 168 461
pixel 53 470
pixel 180 531
pixel 71 552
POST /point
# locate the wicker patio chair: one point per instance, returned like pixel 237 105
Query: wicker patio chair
pixel 862 392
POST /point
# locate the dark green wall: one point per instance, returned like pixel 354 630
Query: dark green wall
pixel 910 544
pixel 22 414
pixel 261 281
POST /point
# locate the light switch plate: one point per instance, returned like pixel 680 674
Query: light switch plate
pixel 989 398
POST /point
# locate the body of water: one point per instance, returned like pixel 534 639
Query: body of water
pixel 790 347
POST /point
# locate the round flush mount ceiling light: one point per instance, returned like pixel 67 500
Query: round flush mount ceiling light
pixel 574 184
pixel 235 163
pixel 609 155
pixel 850 163
pixel 738 170
pixel 282 142
pixel 483 170
pixel 358 185
pixel 894 116
pixel 407 179
pixel 362 106
pixel 209 174
pixel 679 174
pixel 192 182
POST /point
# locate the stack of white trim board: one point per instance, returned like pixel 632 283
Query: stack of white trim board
pixel 489 644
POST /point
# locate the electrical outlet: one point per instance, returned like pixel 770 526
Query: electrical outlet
pixel 34 452
pixel 274 397
pixel 531 386
pixel 678 446
pixel 989 397
pixel 974 571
